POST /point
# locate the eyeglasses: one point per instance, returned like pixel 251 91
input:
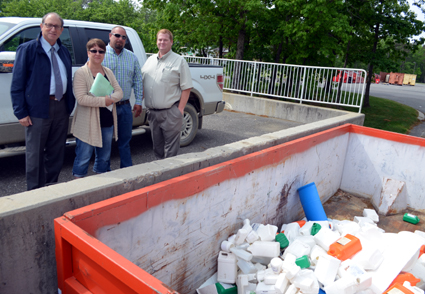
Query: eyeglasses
pixel 50 26
pixel 95 51
pixel 120 36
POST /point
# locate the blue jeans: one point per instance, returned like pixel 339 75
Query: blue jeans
pixel 84 152
pixel 125 125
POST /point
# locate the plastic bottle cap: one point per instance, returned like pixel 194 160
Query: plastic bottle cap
pixel 315 228
pixel 283 241
pixel 226 245
pixel 303 262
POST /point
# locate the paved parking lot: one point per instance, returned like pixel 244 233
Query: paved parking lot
pixel 218 129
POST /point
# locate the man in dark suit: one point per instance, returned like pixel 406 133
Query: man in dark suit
pixel 42 100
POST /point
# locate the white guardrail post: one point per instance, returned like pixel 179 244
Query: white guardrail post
pixel 253 78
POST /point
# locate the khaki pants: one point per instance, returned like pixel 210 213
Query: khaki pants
pixel 165 126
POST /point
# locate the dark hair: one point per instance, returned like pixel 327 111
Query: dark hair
pixel 52 13
pixel 93 42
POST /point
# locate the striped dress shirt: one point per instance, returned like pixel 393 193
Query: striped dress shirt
pixel 127 71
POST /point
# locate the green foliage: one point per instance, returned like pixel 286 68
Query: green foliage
pixel 369 34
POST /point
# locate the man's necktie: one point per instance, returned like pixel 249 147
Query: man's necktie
pixel 57 75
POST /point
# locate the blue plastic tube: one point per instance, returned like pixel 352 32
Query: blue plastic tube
pixel 311 203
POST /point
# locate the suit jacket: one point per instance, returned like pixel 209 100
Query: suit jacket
pixel 30 89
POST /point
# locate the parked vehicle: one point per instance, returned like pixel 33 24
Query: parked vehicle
pixel 350 76
pixel 205 98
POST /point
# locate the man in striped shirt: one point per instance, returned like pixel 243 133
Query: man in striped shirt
pixel 127 70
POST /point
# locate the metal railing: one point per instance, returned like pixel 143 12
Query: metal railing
pixel 322 85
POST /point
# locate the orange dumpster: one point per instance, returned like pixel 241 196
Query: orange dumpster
pixel 384 77
pixel 165 238
pixel 396 78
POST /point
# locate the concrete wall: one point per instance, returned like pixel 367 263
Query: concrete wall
pixel 26 219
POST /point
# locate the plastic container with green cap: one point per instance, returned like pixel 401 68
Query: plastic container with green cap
pixel 303 262
pixel 222 290
pixel 281 238
pixel 315 228
pixel 410 218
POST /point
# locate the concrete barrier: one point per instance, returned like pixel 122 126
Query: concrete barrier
pixel 27 250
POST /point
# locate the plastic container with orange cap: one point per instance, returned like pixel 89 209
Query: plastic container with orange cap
pixel 403 277
pixel 345 247
pixel 398 288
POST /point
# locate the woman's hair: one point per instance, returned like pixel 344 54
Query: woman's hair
pixel 93 42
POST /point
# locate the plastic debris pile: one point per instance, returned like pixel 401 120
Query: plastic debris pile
pixel 332 257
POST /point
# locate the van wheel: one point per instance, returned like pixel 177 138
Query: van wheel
pixel 189 126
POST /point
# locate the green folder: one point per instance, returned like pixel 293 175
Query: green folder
pixel 101 86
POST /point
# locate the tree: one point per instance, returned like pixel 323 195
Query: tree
pixel 383 31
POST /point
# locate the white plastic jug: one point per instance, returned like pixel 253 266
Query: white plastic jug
pixel 306 281
pixel 292 290
pixel 282 283
pixel 227 268
pixel 370 257
pixel 270 278
pixel 242 254
pixel 346 285
pixel 297 248
pixel 347 227
pixel 246 267
pixel 316 252
pixel 267 233
pixel 290 267
pixel 252 237
pixel 262 288
pixel 244 281
pixel 326 269
pixel 265 249
pixel 241 236
pixel 371 213
pixel 325 237
pixel 418 271
pixel 292 231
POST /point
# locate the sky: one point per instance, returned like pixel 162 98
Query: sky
pixel 419 14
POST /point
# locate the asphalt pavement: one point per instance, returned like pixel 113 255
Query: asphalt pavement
pixel 218 129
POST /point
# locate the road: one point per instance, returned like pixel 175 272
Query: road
pixel 413 96
pixel 218 129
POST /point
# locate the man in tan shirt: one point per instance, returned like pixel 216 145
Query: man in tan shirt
pixel 167 83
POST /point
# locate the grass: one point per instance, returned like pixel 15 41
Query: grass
pixel 388 115
pixel 382 114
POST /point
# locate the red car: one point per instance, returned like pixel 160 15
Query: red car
pixel 350 76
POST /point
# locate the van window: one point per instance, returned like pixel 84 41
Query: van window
pixel 4 26
pixel 32 33
pixel 104 36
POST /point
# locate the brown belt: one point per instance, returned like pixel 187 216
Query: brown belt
pixel 123 102
pixel 52 97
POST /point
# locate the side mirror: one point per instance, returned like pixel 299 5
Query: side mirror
pixel 7 60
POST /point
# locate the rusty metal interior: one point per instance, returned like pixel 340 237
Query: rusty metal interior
pixel 344 206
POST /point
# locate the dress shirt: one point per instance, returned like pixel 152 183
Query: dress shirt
pixel 46 46
pixel 164 79
pixel 127 71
